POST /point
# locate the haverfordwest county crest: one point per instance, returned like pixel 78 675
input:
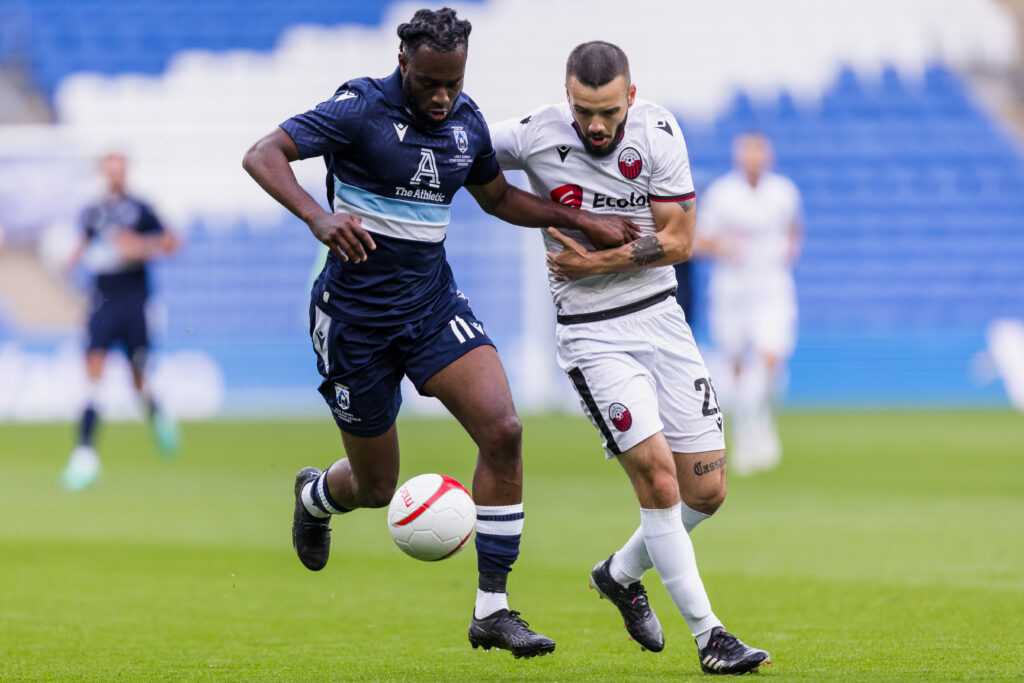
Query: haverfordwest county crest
pixel 343 396
pixel 461 139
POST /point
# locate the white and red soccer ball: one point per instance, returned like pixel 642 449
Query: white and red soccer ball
pixel 431 517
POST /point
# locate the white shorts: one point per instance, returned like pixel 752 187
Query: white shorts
pixel 641 374
pixel 764 322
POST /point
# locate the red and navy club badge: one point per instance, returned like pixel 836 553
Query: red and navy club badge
pixel 620 417
pixel 630 163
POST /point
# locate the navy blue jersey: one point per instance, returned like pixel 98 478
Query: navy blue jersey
pixel 101 221
pixel 399 178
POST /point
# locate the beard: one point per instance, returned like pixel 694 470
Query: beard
pixel 421 119
pixel 603 151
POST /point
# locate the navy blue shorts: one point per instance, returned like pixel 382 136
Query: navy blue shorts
pixel 119 319
pixel 363 366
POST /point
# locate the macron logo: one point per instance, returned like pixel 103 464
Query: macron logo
pixel 347 95
pixel 400 128
pixel 570 195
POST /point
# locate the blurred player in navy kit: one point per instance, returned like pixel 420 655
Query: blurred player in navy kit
pixel 386 305
pixel 120 236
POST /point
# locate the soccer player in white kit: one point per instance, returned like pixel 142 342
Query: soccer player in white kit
pixel 750 224
pixel 622 338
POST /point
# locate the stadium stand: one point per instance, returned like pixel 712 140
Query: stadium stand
pixel 914 194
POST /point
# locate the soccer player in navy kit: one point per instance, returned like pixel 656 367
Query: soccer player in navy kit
pixel 121 234
pixel 386 305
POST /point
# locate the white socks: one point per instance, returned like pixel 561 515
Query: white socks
pixel 489 603
pixel 631 561
pixel 672 555
pixel 691 518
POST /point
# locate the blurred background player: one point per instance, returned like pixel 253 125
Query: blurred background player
pixel 750 224
pixel 622 338
pixel 386 305
pixel 121 234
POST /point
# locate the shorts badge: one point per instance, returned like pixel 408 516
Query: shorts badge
pixel 342 396
pixel 620 417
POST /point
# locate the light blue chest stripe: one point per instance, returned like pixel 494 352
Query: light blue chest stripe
pixel 387 207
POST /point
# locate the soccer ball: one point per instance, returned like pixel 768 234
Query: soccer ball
pixel 431 517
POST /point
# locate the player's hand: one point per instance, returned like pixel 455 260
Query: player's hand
pixel 573 262
pixel 131 245
pixel 343 233
pixel 606 231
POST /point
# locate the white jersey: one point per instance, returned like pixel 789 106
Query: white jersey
pixel 755 224
pixel 649 164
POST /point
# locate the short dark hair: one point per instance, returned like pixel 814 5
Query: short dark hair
pixel 440 30
pixel 595 63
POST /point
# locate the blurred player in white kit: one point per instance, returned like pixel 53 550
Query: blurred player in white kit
pixel 622 338
pixel 750 224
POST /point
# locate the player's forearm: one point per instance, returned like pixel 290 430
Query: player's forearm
pixel 649 251
pixel 270 168
pixel 522 208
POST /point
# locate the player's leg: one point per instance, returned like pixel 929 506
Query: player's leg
pixel 702 487
pixel 83 468
pixel 773 335
pixel 651 469
pixel 475 390
pixel 365 478
pixel 136 343
pixel 361 386
pixel 742 387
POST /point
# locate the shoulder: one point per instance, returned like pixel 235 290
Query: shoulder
pixel 722 185
pixel 545 120
pixel 783 186
pixel 468 113
pixel 659 124
pixel 353 98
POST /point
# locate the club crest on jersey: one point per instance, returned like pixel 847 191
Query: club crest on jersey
pixel 570 195
pixel 461 139
pixel 630 163
pixel 343 396
pixel 620 417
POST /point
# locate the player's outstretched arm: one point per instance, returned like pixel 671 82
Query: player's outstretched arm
pixel 673 243
pixel 269 163
pixel 512 205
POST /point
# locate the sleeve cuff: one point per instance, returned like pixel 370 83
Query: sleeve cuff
pixel 672 198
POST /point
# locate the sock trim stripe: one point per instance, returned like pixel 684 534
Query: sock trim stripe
pixel 325 495
pixel 315 495
pixel 501 518
pixel 499 509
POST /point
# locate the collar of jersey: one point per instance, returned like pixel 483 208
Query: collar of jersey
pixel 393 89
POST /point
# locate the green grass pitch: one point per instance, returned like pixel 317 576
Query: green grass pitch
pixel 888 546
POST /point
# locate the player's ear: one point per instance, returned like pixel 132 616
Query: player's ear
pixel 632 94
pixel 403 63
